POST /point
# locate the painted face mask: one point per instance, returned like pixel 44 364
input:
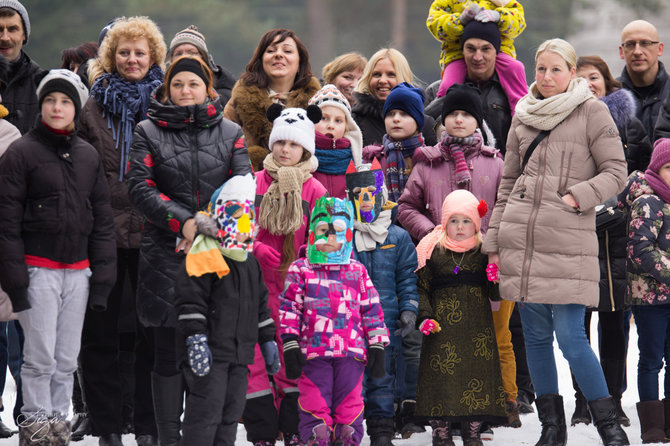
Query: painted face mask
pixel 331 226
pixel 235 218
pixel 365 191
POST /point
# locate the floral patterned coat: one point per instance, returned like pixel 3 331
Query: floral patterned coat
pixel 649 250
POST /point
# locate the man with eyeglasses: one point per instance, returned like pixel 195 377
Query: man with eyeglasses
pixel 644 74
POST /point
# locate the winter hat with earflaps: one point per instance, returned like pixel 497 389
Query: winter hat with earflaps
pixel 330 96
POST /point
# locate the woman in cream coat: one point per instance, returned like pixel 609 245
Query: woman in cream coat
pixel 542 231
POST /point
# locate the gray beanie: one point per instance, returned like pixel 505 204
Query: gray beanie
pixel 18 7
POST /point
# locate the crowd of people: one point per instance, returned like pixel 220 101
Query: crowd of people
pixel 325 257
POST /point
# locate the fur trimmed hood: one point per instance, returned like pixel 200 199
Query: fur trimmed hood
pixel 622 106
pixel 251 103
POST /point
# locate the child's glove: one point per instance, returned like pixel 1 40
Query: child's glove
pixel 267 256
pixel 429 326
pixel 199 356
pixel 293 358
pixel 406 323
pixel 271 357
pixel 469 13
pixel 492 272
pixel 377 360
pixel 488 15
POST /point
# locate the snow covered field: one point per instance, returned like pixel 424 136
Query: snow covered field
pixel 528 434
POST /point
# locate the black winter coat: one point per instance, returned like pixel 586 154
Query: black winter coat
pixel 179 157
pixel 612 241
pixel 368 112
pixel 232 311
pixel 19 93
pixel 224 81
pixel 649 109
pixel 55 205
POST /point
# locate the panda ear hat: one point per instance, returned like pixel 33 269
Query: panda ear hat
pixel 293 124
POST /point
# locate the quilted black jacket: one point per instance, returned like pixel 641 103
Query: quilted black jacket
pixel 179 157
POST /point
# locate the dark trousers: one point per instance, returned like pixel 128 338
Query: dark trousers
pixel 101 377
pixel 11 356
pixel 214 405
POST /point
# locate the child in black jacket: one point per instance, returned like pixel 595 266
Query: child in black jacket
pixel 221 303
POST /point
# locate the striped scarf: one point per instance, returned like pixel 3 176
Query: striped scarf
pixel 397 172
pixel 457 148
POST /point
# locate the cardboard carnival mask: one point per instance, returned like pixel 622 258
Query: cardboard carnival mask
pixel 332 223
pixel 365 190
pixel 235 214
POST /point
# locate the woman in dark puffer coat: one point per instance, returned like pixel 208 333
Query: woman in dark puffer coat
pixel 612 236
pixel 180 155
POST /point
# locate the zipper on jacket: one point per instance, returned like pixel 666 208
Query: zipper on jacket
pixel 609 267
pixel 530 237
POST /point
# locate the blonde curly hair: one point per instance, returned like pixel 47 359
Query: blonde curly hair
pixel 128 28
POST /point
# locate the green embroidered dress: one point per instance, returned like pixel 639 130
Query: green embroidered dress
pixel 459 373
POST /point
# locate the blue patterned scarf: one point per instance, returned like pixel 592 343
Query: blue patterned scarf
pixel 397 172
pixel 126 101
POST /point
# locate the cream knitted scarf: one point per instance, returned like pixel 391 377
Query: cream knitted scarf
pixel 547 113
pixel 281 207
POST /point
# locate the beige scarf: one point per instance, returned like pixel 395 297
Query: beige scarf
pixel 281 207
pixel 547 113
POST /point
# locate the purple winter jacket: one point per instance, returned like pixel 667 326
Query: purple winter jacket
pixel 432 179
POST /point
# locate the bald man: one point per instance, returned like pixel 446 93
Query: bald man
pixel 644 74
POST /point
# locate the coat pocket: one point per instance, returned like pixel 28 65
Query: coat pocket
pixel 42 214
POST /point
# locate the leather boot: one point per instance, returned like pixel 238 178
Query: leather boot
pixel 603 412
pixel 614 371
pixel 552 416
pixel 652 421
pixel 441 433
pixel 405 422
pixel 168 393
pixel 470 433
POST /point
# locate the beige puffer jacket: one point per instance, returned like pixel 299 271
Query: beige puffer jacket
pixel 548 250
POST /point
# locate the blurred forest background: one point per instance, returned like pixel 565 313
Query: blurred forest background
pixel 331 27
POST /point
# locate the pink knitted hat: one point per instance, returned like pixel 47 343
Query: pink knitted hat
pixel 463 202
pixel 661 154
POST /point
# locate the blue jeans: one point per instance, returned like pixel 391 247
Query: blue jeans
pixel 540 322
pixel 379 401
pixel 653 323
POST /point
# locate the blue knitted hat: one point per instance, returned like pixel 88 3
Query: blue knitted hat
pixel 408 99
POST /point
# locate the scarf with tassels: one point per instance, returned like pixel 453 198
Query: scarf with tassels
pixel 333 154
pixel 281 208
pixel 458 148
pixel 127 102
pixel 396 168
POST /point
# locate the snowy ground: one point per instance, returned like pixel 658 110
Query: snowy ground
pixel 528 434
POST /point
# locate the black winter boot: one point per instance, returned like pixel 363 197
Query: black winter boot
pixel 380 431
pixel 652 421
pixel 614 371
pixel 441 433
pixel 666 410
pixel 552 416
pixel 406 423
pixel 603 412
pixel 168 393
pixel 470 432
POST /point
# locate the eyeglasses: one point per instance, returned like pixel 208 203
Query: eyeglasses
pixel 631 44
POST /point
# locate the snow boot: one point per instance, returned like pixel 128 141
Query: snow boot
pixel 344 435
pixel 381 431
pixel 552 416
pixel 581 414
pixel 603 412
pixel 320 436
pixel 406 424
pixel 614 371
pixel 470 432
pixel 441 433
pixel 652 421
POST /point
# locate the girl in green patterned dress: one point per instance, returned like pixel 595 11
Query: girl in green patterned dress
pixel 459 373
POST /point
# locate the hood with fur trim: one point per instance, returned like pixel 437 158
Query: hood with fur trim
pixel 622 106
